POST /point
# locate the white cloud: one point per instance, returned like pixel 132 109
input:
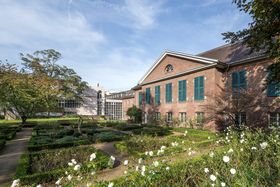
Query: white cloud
pixel 33 24
pixel 142 13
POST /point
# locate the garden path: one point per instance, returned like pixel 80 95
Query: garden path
pixel 119 168
pixel 11 153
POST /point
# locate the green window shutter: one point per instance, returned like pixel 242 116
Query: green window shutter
pixel 168 93
pixel 182 91
pixel 148 95
pixel 234 80
pixel 273 89
pixel 199 88
pixel 140 98
pixel 242 80
pixel 157 95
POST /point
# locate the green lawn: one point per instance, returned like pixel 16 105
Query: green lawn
pixel 36 120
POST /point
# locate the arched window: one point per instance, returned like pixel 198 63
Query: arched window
pixel 99 94
pixel 168 68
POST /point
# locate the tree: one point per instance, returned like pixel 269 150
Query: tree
pixel 38 85
pixel 263 33
pixel 60 82
pixel 20 91
pixel 135 114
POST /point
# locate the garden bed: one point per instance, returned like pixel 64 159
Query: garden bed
pixel 140 145
pixel 58 136
pixel 46 166
pixel 245 159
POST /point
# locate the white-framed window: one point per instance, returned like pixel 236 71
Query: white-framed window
pixel 157 116
pixel 200 117
pixel 168 68
pixel 274 118
pixel 71 103
pixel 183 117
pixel 169 117
pixel 240 118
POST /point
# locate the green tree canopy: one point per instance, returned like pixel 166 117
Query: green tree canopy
pixel 135 114
pixel 39 84
pixel 263 33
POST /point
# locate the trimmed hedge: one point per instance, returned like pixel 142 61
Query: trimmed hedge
pixel 2 143
pixel 152 131
pixel 57 145
pixel 127 127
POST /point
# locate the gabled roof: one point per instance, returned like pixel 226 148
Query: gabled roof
pixel 204 60
pixel 232 53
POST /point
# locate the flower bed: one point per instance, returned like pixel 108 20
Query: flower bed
pixel 246 159
pixel 141 146
pixel 45 166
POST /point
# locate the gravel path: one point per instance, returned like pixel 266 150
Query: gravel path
pixel 11 153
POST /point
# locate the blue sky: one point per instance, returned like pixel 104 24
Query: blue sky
pixel 114 42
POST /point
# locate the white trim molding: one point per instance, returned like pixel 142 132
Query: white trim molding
pixel 208 61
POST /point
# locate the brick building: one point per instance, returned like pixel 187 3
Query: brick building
pixel 179 86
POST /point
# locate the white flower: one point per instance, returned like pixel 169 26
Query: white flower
pixel 230 150
pixel 232 171
pixel 211 154
pixel 15 183
pixel 146 153
pixel 186 132
pixel 77 167
pixel 92 173
pixel 167 168
pixel 143 168
pixel 209 137
pixel 163 147
pixel 156 163
pixel 143 173
pixel 226 159
pixel 92 156
pixel 58 181
pixel 113 158
pixel 125 162
pixel 213 177
pixel 206 170
pixel 263 145
pixel 223 184
pixel 70 164
pixel 137 168
pixel 73 161
pixel 174 144
pixel 241 149
pixel 242 140
pixel 151 153
pixel 110 184
pixel 39 185
pixel 69 177
pixel 254 148
pixel 125 172
pixel 140 160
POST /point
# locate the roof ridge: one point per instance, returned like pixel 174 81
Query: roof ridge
pixel 219 47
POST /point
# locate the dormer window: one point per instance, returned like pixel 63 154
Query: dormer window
pixel 168 68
